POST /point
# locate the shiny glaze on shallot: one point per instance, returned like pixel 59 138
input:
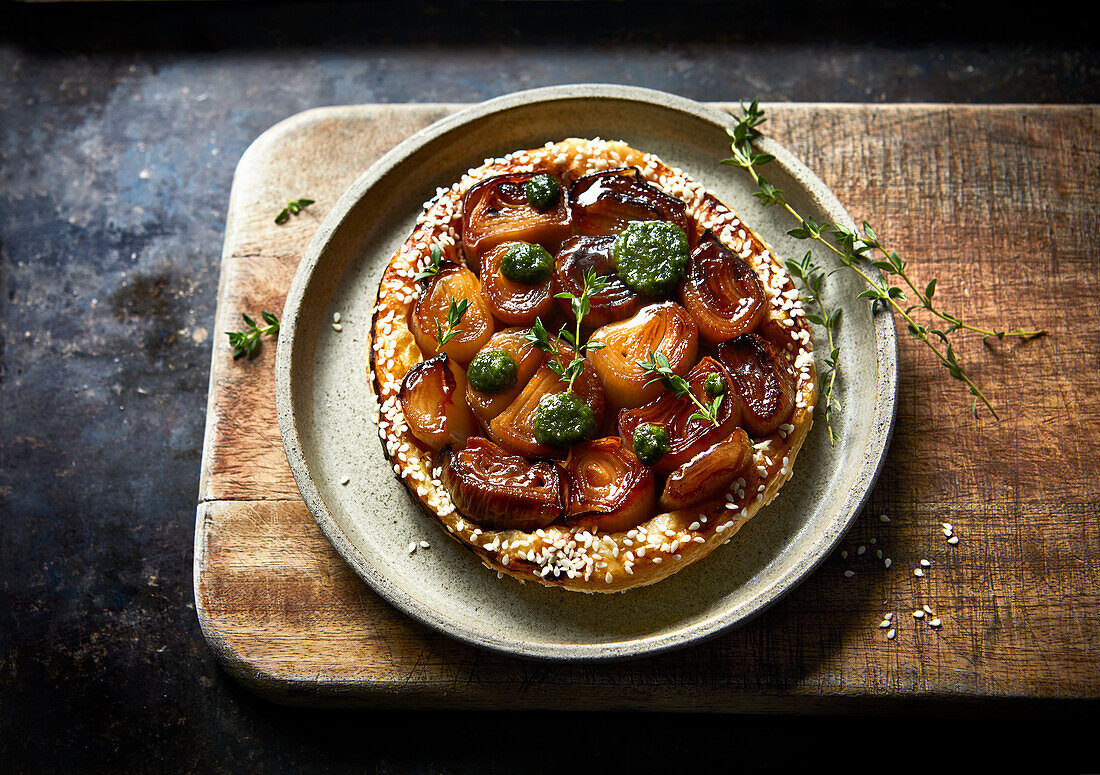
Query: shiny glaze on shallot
pixel 708 474
pixel 603 203
pixel 687 437
pixel 763 382
pixel 495 210
pixel 452 283
pixel 512 303
pixel 577 256
pixel 500 491
pixel 609 488
pixel 514 428
pixel 486 406
pixel 433 402
pixel 665 328
pixel 721 292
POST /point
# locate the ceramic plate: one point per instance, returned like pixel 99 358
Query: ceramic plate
pixel 328 434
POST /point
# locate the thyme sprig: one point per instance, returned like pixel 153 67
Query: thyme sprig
pixel 293 207
pixel 247 342
pixel 658 365
pixel 432 269
pixel 539 338
pixel 812 277
pixel 454 318
pixel 855 250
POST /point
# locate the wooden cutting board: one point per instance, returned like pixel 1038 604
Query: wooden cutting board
pixel 999 203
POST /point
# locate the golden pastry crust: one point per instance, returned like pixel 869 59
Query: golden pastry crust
pixel 559 555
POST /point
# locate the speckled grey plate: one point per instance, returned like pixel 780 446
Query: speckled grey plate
pixel 322 395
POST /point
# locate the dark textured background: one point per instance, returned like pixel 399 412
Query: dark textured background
pixel 120 126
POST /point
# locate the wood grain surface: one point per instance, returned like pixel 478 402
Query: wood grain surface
pixel 999 203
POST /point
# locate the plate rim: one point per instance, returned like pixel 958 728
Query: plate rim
pixel 874 452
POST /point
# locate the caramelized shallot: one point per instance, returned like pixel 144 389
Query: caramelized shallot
pixel 429 316
pixel 687 436
pixel 658 328
pixel 432 401
pixel 496 210
pixel 721 292
pixel 528 359
pixel 708 474
pixel 604 203
pixel 577 256
pixel 763 382
pixel 514 428
pixel 500 491
pixel 512 303
pixel 609 488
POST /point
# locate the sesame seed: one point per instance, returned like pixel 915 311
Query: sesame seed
pixel 948 527
pixel 884 624
pixel 844 555
pixel 925 564
pixel 335 317
pixel 849 573
pixel 887 562
pixel 879 554
pixel 345 480
pixel 918 614
pixel 861 550
pixel 883 518
pixel 412 547
pixel 337 327
pixel 927 610
pixel 953 540
pixel 934 623
pixel 425 545
pixel 888 617
pixel 890 635
pixel 918 572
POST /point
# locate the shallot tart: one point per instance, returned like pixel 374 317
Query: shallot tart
pixel 665 416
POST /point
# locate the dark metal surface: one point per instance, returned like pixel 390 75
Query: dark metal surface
pixel 120 126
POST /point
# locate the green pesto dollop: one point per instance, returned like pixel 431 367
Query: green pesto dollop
pixel 543 192
pixel 526 263
pixel 650 443
pixel 650 256
pixel 714 385
pixel 562 420
pixel 492 371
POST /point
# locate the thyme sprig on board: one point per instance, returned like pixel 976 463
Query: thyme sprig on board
pixel 856 250
pixel 539 338
pixel 247 342
pixel 658 365
pixel 293 207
